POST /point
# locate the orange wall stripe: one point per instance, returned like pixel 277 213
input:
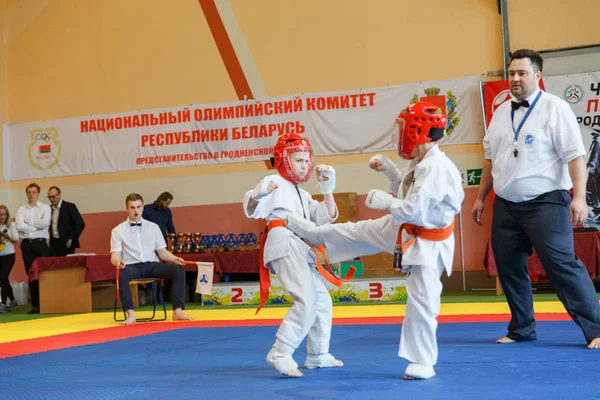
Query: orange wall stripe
pixel 230 59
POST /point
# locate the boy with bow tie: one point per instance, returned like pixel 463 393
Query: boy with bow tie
pixel 134 246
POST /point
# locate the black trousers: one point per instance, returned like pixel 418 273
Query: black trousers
pixel 32 249
pixel 152 270
pixel 544 224
pixel 59 248
pixel 6 265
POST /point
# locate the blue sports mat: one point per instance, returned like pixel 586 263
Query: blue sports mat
pixel 229 363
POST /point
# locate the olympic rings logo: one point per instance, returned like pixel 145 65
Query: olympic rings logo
pixel 46 137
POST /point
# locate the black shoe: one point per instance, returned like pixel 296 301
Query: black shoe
pixel 34 310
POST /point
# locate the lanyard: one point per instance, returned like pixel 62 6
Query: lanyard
pixel 512 117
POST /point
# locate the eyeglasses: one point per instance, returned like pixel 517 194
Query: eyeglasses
pixel 51 197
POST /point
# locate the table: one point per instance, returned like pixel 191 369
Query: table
pixel 587 248
pixel 76 284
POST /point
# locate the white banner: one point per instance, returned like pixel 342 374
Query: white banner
pixel 335 123
pixel 582 92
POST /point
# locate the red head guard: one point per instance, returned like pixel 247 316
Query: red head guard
pixel 282 151
pixel 415 125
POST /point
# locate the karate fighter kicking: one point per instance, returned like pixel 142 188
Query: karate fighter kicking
pixel 418 231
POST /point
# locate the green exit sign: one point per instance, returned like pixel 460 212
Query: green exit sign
pixel 473 177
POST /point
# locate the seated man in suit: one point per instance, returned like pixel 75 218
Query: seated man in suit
pixel 66 224
pixel 134 245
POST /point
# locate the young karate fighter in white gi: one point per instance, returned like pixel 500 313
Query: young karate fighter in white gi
pixel 430 194
pixel 275 198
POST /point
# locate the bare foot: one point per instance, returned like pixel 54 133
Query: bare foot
pixel 295 373
pixel 179 315
pixel 505 340
pixel 410 378
pixel 130 318
pixel 594 344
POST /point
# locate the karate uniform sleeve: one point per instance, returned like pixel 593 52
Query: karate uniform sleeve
pixel 319 214
pixel 396 183
pixel 251 201
pixel 418 202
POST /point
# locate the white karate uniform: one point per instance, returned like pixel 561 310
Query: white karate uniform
pixel 292 260
pixel 430 195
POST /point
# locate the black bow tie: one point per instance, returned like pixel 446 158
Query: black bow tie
pixel 135 224
pixel 515 105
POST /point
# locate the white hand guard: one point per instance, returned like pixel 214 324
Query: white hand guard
pixel 379 200
pixel 328 186
pixel 390 170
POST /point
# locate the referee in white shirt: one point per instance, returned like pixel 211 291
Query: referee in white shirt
pixel 533 156
pixel 134 245
pixel 33 220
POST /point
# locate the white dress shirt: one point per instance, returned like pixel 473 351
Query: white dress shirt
pixel 33 221
pixel 54 224
pixel 137 243
pixel 549 139
pixel 14 235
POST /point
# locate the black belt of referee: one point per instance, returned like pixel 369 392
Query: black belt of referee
pixel 34 240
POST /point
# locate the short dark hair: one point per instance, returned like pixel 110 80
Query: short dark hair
pixel 55 188
pixel 133 197
pixel 31 185
pixel 537 61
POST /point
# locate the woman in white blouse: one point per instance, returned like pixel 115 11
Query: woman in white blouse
pixel 8 237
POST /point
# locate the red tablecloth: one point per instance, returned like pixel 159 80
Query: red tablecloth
pixel 99 268
pixel 239 261
pixel 587 248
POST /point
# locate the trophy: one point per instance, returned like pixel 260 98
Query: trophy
pixel 185 242
pixel 189 243
pixel 197 241
pixel 251 241
pixel 180 243
pixel 220 242
pixel 170 242
pixel 230 242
